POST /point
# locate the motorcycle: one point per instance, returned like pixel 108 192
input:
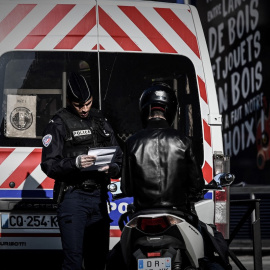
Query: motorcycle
pixel 166 239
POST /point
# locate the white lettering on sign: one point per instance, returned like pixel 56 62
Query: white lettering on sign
pixel 240 137
pixel 234 42
pixel 214 12
pixel 121 208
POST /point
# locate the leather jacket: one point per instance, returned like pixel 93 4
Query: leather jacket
pixel 159 168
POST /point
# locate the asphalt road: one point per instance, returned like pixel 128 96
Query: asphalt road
pixel 30 260
pixel 51 260
pixel 248 263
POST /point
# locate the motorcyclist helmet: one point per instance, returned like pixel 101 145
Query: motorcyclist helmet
pixel 78 90
pixel 159 96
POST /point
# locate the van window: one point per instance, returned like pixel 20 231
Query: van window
pixel 33 88
pixel 125 76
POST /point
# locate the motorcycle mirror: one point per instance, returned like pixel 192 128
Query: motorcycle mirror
pixel 112 187
pixel 115 189
pixel 224 179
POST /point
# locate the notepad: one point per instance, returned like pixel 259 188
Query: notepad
pixel 103 155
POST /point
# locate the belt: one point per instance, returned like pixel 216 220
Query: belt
pixel 89 187
pixel 84 186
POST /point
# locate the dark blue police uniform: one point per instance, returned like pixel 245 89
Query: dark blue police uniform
pixel 81 195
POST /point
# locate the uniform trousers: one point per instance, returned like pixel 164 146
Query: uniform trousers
pixel 84 225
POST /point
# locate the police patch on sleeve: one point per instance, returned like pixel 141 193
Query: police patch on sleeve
pixel 46 140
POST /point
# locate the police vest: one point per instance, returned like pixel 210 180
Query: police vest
pixel 83 134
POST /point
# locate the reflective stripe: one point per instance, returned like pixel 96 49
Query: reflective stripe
pixel 180 28
pixel 116 32
pixel 202 89
pixel 148 29
pixel 79 31
pixel 207 172
pixel 22 166
pixel 44 27
pixel 4 153
pixel 26 167
pixel 13 19
pixel 115 233
pixel 206 132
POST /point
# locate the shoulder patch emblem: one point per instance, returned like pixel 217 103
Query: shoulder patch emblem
pixel 46 140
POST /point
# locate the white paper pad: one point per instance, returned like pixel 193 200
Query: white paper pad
pixel 103 155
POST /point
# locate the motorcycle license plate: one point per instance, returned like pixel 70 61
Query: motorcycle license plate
pixel 154 264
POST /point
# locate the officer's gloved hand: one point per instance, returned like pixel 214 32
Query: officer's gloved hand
pixel 84 161
pixel 112 169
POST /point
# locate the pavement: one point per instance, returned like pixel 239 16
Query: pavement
pixel 51 260
pixel 247 261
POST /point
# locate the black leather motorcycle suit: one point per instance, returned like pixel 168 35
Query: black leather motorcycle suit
pixel 159 168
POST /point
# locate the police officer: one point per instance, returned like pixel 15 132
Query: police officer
pixel 79 190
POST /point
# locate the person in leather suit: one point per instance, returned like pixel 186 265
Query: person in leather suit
pixel 80 189
pixel 160 170
pixel 157 160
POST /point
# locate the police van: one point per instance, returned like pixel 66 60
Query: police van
pixel 121 47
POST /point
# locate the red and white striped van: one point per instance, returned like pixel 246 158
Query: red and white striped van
pixel 121 47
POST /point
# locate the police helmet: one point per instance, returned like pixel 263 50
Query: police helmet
pixel 78 89
pixel 158 97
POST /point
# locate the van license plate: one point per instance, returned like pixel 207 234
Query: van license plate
pixel 154 264
pixel 14 221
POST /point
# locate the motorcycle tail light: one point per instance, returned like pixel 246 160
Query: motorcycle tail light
pixel 153 225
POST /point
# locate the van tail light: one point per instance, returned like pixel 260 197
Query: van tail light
pixel 222 197
pixel 154 225
pixel 222 211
